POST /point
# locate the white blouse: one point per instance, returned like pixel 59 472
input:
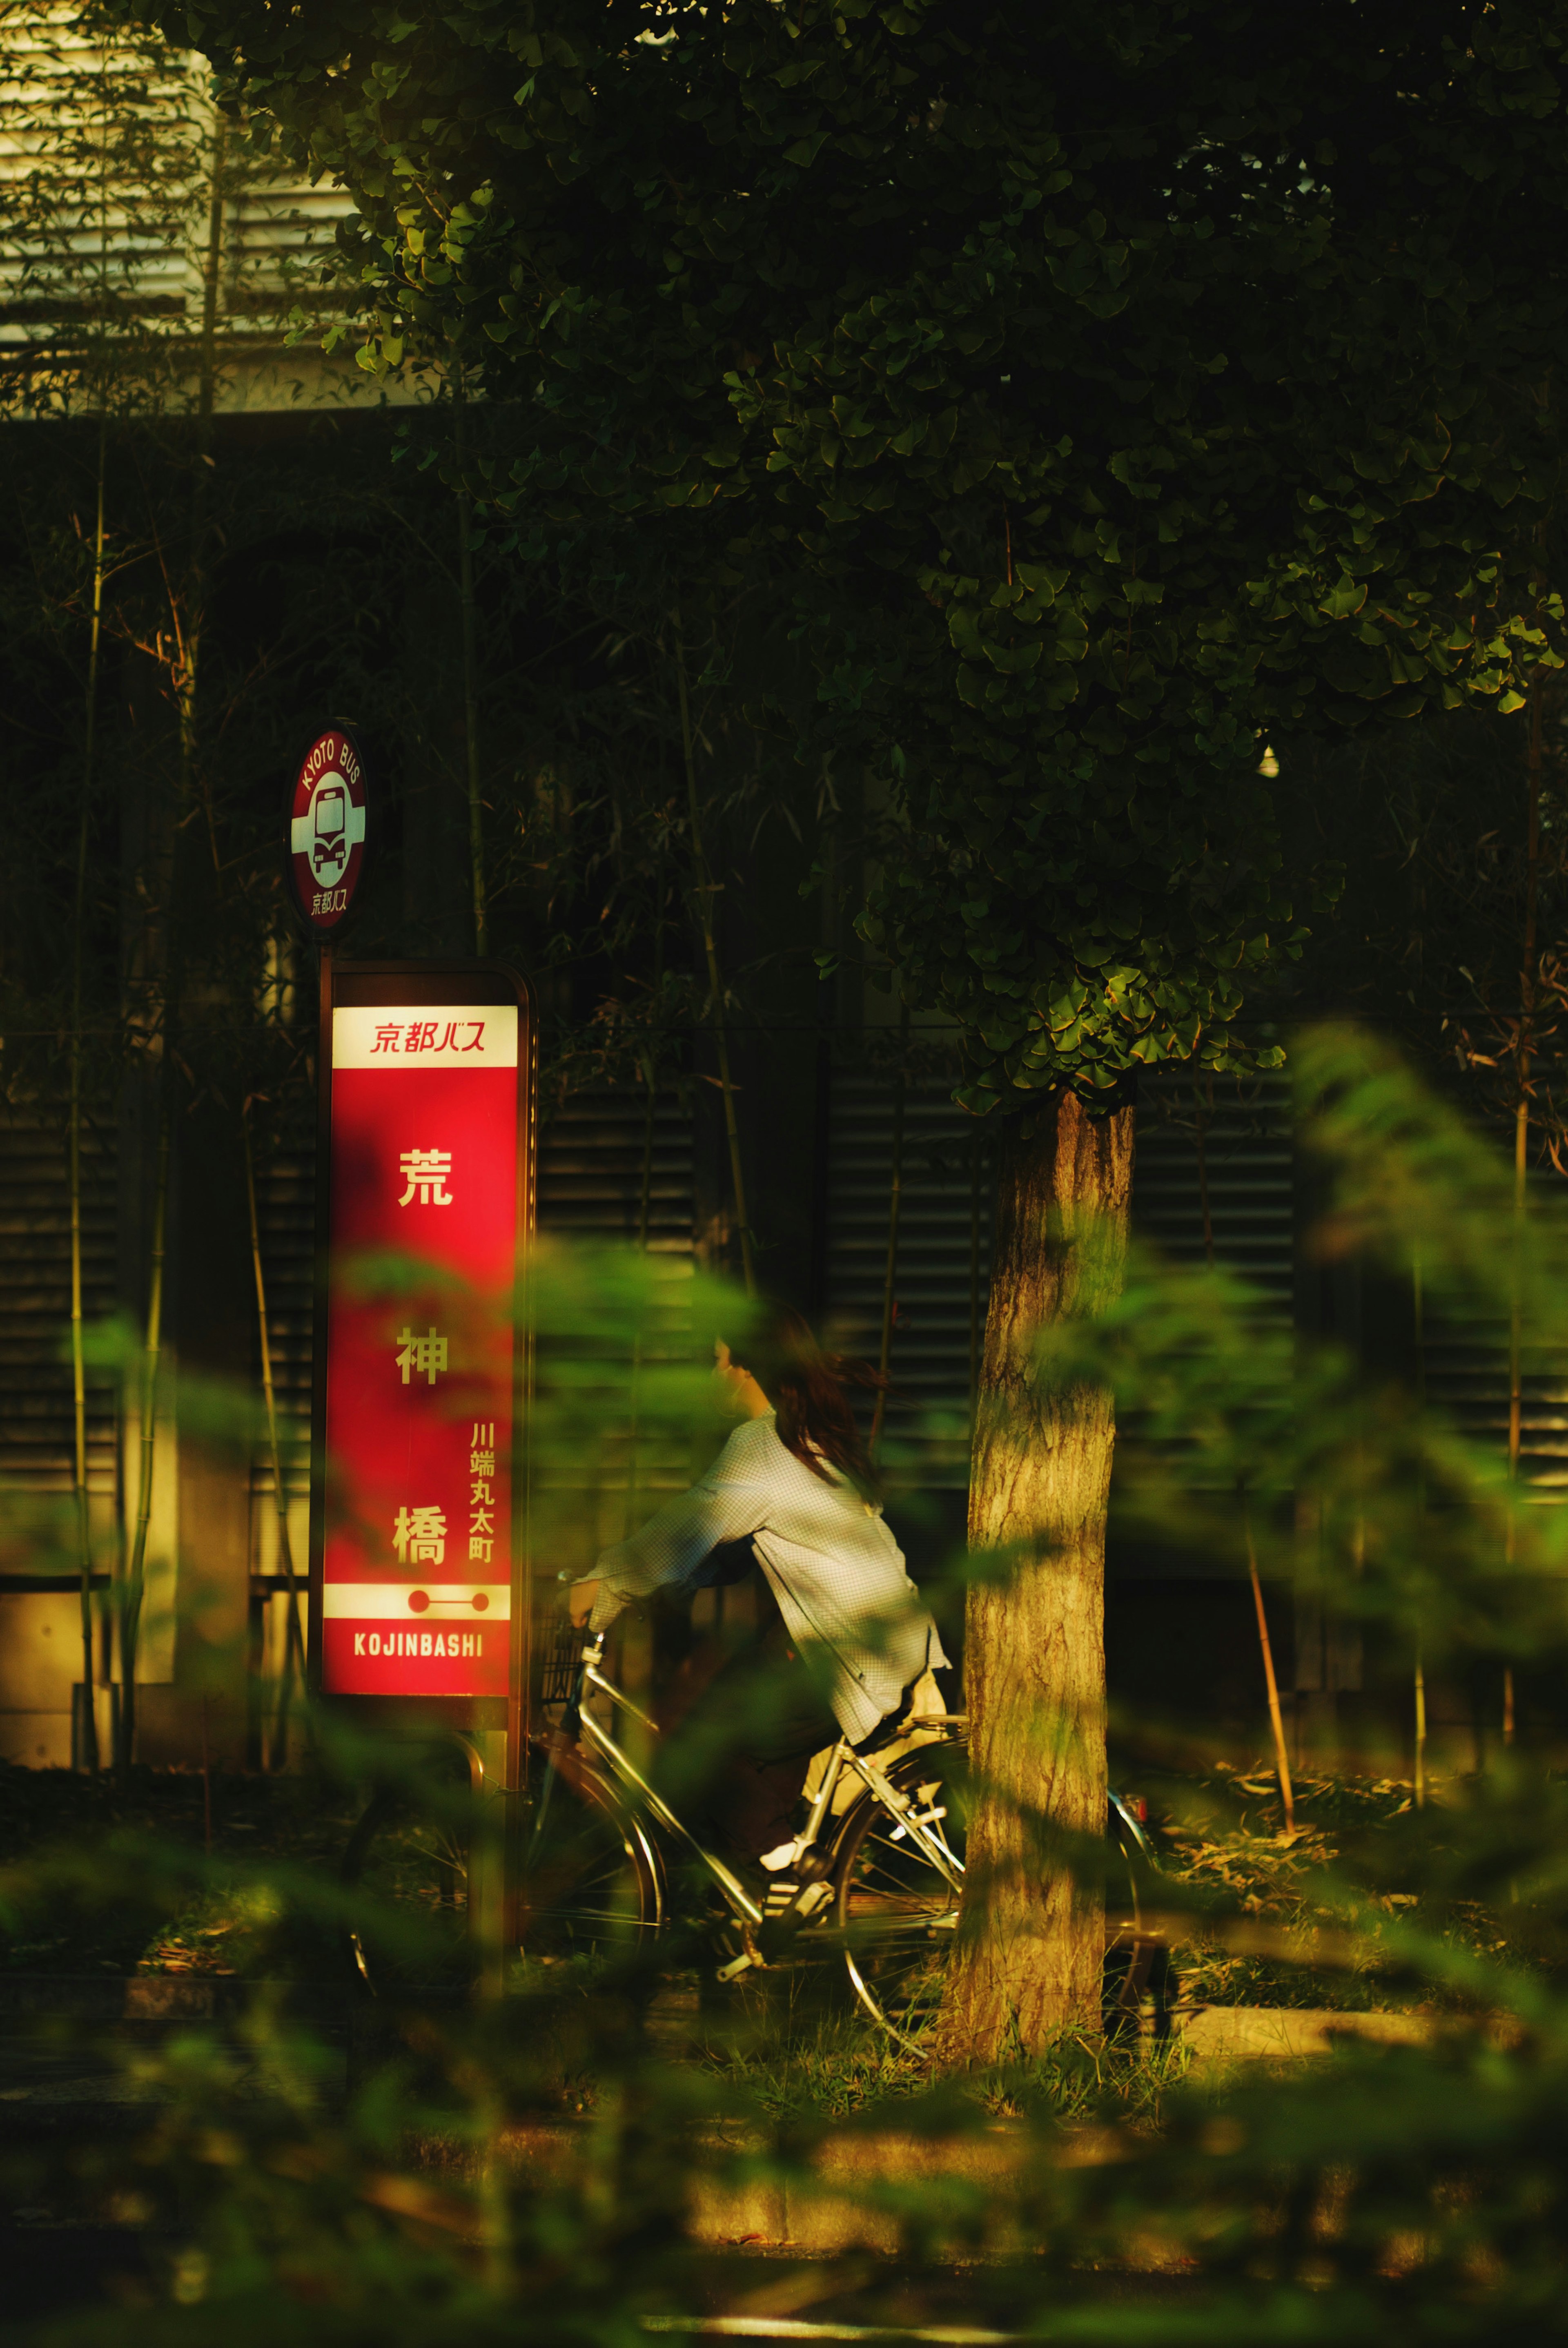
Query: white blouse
pixel 831 1561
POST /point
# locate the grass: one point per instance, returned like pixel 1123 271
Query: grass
pixel 843 2068
pixel 1223 1834
pixel 1219 1832
pixel 173 1914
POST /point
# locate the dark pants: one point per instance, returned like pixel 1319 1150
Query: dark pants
pixel 742 1724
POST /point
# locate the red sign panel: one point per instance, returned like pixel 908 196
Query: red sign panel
pixel 326 828
pixel 417 1562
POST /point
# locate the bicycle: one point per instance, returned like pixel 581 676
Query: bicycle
pixel 876 1885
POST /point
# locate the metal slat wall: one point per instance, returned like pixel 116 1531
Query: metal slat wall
pixel 942 1277
pixel 285 1215
pixel 38 1419
pixel 1466 1367
pixel 943 1268
pixel 1213 1179
pixel 590 1183
pixel 1247 1150
pixel 123 244
pixel 1232 1141
pixel 285 1162
pixel 132 125
pixel 592 1152
pixel 605 1162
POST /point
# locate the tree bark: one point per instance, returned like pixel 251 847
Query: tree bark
pixel 1031 1943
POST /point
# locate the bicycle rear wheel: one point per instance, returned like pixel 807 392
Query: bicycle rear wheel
pixel 896 1908
pixel 898 1911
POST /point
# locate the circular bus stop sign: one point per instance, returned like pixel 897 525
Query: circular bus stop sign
pixel 327 830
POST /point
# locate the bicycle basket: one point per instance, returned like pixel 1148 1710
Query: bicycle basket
pixel 561 1647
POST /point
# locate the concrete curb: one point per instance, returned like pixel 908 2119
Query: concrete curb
pixel 1220 2034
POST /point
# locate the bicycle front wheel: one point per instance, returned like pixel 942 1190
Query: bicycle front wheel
pixel 589 1885
pixel 897 1905
pixel 405 1870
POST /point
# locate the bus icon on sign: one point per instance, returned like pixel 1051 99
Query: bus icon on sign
pixel 329 847
pixel 326 830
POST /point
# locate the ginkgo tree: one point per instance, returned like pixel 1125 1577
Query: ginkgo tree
pixel 1114 389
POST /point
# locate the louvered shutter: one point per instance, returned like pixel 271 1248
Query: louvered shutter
pixel 38 1419
pixel 40 1632
pixel 942 1273
pixel 591 1159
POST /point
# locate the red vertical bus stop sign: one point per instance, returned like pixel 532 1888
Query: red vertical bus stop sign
pixel 416 1556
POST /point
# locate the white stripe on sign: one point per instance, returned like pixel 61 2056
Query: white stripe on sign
pixel 426 1036
pixel 417 1602
pixel 302 828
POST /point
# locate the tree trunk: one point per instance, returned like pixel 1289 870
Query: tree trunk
pixel 1031 1942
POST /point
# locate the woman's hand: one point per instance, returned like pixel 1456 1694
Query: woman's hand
pixel 580 1601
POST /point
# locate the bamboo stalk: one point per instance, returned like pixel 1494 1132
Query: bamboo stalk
pixel 211 273
pixel 1521 1111
pixel 703 894
pixel 1200 1138
pixel 894 1210
pixel 1265 1647
pixel 645 1193
pixel 132 1588
pixel 822 1072
pixel 1276 1718
pixel 78 922
pixel 187 641
pixel 293 1642
pixel 975 1147
pixel 467 606
pixel 206 1784
pixel 1417 1298
pixel 650 1071
pixel 1522 1154
pixel 648 1064
pixel 91 1755
pixel 188 638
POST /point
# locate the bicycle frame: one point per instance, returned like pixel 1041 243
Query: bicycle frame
pixel 578 1724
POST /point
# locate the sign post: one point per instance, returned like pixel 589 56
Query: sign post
pixel 419 1571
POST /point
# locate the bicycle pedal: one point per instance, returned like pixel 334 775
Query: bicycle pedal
pixel 795 1903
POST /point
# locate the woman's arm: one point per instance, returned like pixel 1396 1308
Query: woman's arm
pixel 727 1504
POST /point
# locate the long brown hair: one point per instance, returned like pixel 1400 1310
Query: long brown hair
pixel 807 1389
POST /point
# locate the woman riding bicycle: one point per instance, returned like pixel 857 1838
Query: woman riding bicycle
pixel 844 1640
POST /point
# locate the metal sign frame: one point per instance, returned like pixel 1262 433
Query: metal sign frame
pixel 393 985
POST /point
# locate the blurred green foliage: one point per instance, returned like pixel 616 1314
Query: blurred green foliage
pixel 580 2160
